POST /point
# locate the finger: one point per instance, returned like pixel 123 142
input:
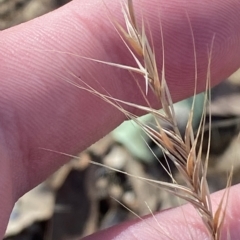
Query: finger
pixel 55 115
pixel 178 223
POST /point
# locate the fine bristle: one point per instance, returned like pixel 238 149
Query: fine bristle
pixel 184 151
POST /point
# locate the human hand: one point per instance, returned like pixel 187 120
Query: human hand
pixel 39 109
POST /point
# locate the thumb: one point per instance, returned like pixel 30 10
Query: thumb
pixel 182 223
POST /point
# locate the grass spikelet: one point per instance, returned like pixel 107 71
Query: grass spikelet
pixel 185 152
pixel 182 152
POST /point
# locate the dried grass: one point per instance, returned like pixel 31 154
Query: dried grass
pixel 182 151
pixel 185 152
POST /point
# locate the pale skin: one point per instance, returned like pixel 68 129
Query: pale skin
pixel 39 109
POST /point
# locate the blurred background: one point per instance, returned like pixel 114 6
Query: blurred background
pixel 81 198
